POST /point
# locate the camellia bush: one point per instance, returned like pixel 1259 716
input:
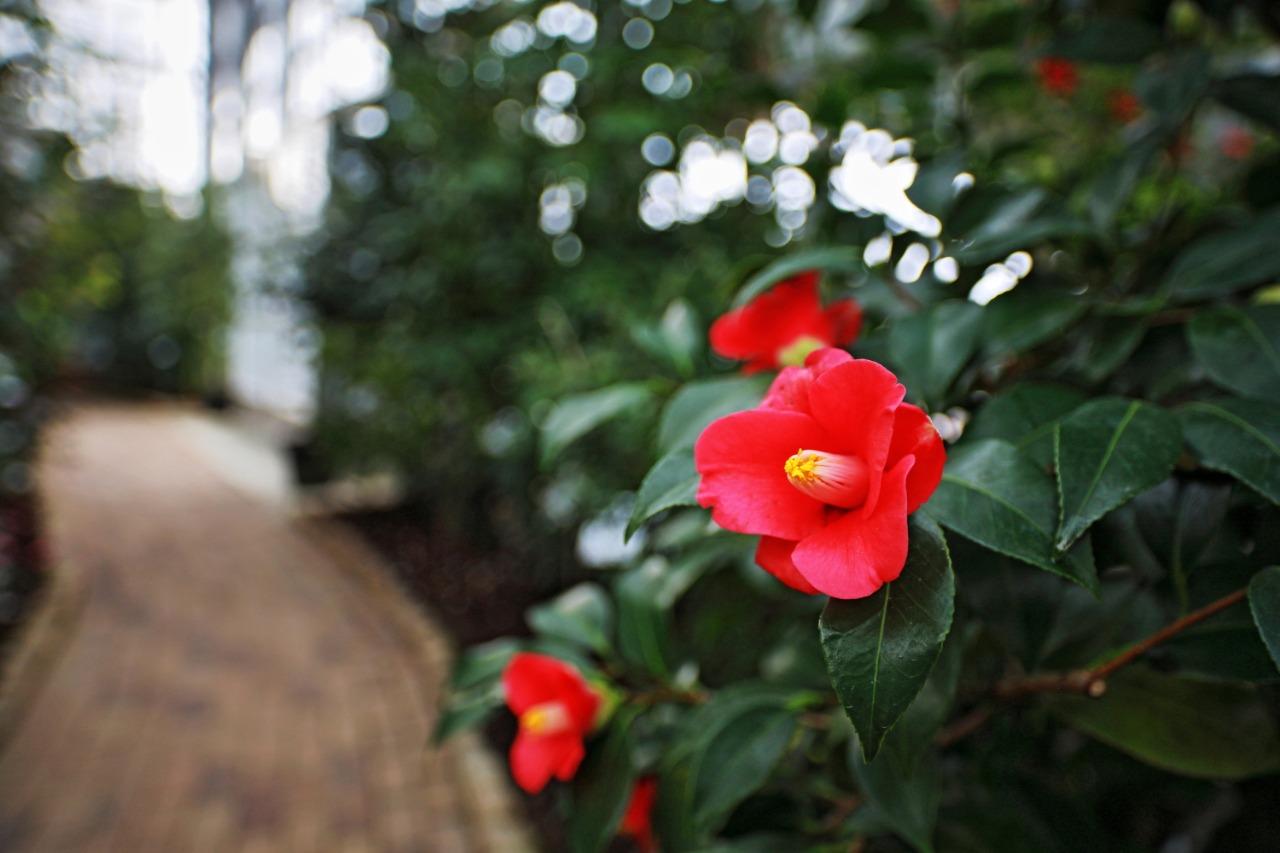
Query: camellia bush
pixel 953 365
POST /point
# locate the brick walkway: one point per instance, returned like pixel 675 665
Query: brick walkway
pixel 231 679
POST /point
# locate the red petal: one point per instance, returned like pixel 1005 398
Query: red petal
pixel 914 434
pixel 636 819
pixel 740 458
pixel 535 759
pixel 860 552
pixel 790 390
pixel 854 402
pixel 774 556
pixel 531 679
pixel 770 322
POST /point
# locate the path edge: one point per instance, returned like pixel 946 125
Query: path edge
pixel 494 819
pixel 54 615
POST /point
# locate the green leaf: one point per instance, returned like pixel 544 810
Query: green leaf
pixel 1240 437
pixel 1221 263
pixel 699 403
pixel 465 711
pixel 1264 604
pixel 1238 348
pixel 722 752
pixel 992 494
pixel 1223 651
pixel 582 615
pixel 902 798
pixel 1107 452
pixel 1119 178
pixel 1171 89
pixel 843 258
pixel 932 346
pixel 913 735
pixel 602 788
pixel 1025 318
pixel 1207 730
pixel 647 593
pixel 1108 39
pixel 879 650
pixel 1254 95
pixel 1025 416
pixel 672 482
pixel 575 416
pixel 474 688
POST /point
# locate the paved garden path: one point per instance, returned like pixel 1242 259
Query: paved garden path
pixel 228 678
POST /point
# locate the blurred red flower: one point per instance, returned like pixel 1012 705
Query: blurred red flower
pixel 1236 143
pixel 1058 76
pixel 826 471
pixel 783 325
pixel 1123 105
pixel 556 708
pixel 637 820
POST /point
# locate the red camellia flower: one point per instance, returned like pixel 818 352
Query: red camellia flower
pixel 1058 76
pixel 556 708
pixel 637 821
pixel 783 325
pixel 1123 106
pixel 826 471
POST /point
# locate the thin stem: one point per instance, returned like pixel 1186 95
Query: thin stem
pixel 1138 649
pixel 1090 682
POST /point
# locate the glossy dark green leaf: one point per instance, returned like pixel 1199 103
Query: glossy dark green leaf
pixel 1254 95
pixel 697 404
pixel 994 495
pixel 602 788
pixel 672 482
pixel 1208 730
pixel 581 614
pixel 1240 349
pixel 721 753
pixel 573 417
pixel 843 258
pixel 1025 318
pixel 1225 261
pixel 1264 604
pixel 930 348
pixel 879 650
pixel 1240 437
pixel 1024 415
pixel 1107 452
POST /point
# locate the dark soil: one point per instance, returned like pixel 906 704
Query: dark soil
pixel 479 584
pixel 21 563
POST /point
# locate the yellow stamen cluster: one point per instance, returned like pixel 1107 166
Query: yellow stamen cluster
pixel 547 718
pixel 802 467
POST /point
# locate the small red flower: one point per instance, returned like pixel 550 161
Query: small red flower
pixel 785 324
pixel 1058 76
pixel 1123 105
pixel 825 471
pixel 637 821
pixel 1236 143
pixel 556 708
